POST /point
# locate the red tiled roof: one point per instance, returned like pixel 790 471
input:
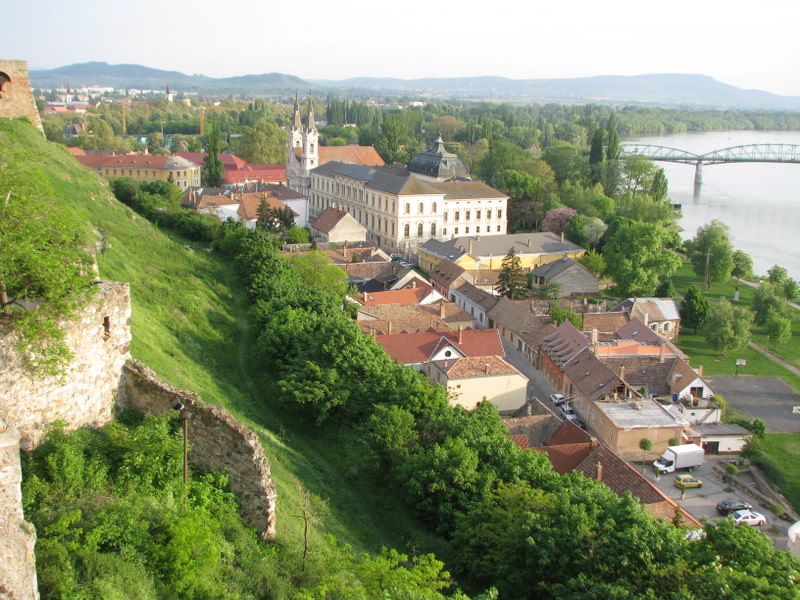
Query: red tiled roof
pixel 353 154
pixel 404 296
pixel 476 366
pixel 521 441
pixel 411 348
pixel 568 433
pixel 566 457
pixel 236 169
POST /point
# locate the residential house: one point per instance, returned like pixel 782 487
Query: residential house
pixel 412 318
pixel 475 301
pixel 723 438
pixel 572 278
pixel 447 276
pixel 571 449
pixel 416 294
pixel 523 323
pixel 482 251
pixel 659 314
pixel 242 207
pixel 337 226
pixel 417 349
pixel 236 170
pixel 145 167
pixel 472 380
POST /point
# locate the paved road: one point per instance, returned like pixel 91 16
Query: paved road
pixel 770 399
pixel 538 385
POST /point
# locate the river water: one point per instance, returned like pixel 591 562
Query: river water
pixel 760 202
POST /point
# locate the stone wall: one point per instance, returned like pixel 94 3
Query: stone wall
pixel 16 96
pixel 17 536
pixel 85 395
pixel 217 442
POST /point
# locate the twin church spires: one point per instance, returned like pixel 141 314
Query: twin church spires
pixel 303 141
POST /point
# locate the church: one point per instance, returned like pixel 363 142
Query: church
pixel 401 207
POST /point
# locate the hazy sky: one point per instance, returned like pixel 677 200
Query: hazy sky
pixel 746 44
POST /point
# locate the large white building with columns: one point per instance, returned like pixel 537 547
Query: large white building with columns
pixel 403 207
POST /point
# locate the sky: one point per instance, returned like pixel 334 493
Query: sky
pixel 750 45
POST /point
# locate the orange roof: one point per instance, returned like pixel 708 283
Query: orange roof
pixel 249 203
pixel 411 348
pixel 353 154
pixel 76 151
pixel 476 366
pixel 405 296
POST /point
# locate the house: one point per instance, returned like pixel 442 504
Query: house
pixel 145 167
pixel 416 294
pixel 481 251
pixel 475 301
pixel 412 318
pixel 722 438
pixel 570 449
pixel 416 349
pixel 472 380
pixel 227 204
pixel 337 226
pixel 522 323
pixel 659 314
pixel 572 277
pixel 236 170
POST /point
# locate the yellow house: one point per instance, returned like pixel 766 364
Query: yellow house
pixel 472 380
pixel 487 252
pixel 146 167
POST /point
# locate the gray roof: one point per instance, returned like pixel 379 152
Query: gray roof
pixel 722 429
pixel 551 269
pixel 438 162
pixel 476 295
pixel 522 243
pixel 443 250
pixel 657 309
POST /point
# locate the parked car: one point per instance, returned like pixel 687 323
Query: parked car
pixel 568 412
pixel 748 517
pixel 558 398
pixel 729 505
pixel 684 480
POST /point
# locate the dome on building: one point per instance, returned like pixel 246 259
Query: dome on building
pixel 438 163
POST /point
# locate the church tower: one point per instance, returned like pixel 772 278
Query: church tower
pixel 310 154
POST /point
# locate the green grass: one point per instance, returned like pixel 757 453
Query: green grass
pixel 784 450
pixel 190 325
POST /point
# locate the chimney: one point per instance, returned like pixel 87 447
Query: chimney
pixel 594 337
pixel 647 319
pixel 700 370
pixel 389 327
pixel 486 368
pixel 622 372
pixel 441 309
pixel 529 242
pixel 460 335
pixel 599 476
pixel 413 284
pixel 364 295
pixel 661 353
pixel 529 409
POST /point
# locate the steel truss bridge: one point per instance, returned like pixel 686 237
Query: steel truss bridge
pixel 768 153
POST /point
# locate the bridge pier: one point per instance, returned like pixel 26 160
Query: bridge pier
pixel 698 174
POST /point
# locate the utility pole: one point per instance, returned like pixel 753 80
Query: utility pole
pixel 708 264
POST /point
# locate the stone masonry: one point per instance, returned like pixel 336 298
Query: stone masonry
pixel 16 96
pixel 218 442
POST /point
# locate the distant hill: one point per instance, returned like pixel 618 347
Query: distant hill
pixel 137 76
pixel 690 91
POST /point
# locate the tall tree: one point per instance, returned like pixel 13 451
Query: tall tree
pixel 637 254
pixel 263 143
pixel 611 167
pixel 711 252
pixel 742 265
pixel 728 326
pixel 512 282
pixel 694 308
pixel 596 155
pixel 212 171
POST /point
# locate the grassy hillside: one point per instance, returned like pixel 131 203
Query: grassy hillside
pixel 190 326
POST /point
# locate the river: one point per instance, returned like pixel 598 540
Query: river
pixel 760 202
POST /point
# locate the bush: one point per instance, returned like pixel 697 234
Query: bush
pixel 777 509
pixel 770 469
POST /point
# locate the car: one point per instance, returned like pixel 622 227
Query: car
pixel 748 517
pixel 684 480
pixel 558 398
pixel 729 505
pixel 568 412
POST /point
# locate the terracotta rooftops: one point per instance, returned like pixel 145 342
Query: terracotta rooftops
pixel 475 366
pixel 329 218
pixel 414 348
pixel 413 295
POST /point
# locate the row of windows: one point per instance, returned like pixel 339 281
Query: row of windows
pixel 420 230
pixel 145 173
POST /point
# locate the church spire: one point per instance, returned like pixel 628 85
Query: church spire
pixel 312 126
pixel 297 124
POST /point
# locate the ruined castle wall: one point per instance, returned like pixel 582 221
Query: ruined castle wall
pixel 86 393
pixel 217 441
pixel 16 95
pixel 17 536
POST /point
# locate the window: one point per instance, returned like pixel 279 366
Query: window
pixel 466 229
pixel 419 230
pixel 458 216
pixel 467 215
pixel 498 228
pixel 455 231
pixel 499 214
pixel 421 208
pixel 406 230
pixel 408 208
pixel 433 209
pixel 666 326
pixel 488 214
pixel 433 229
pixel 445 217
pixel 478 229
pixel 477 215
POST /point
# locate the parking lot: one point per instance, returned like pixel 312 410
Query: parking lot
pixel 770 399
pixel 701 502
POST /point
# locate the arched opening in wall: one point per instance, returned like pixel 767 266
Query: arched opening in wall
pixel 106 328
pixel 5 81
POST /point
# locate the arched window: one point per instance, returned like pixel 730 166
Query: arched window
pixel 421 208
pixel 666 326
pixel 406 230
pixel 433 229
pixel 408 208
pixel 419 230
pixel 433 210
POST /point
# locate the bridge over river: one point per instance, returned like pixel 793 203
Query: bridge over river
pixel 770 153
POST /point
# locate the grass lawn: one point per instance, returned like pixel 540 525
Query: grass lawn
pixel 784 450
